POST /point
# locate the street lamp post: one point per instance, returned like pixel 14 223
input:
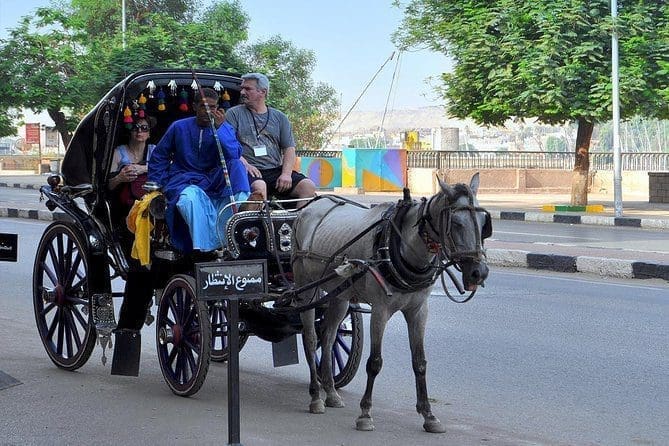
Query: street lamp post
pixel 617 168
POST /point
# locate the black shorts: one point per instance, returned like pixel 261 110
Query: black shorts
pixel 271 175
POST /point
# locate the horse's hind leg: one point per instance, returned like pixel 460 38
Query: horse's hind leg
pixel 377 325
pixel 309 343
pixel 333 317
pixel 416 318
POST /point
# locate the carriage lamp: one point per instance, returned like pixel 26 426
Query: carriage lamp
pixel 251 236
pixel 285 233
pixel 53 181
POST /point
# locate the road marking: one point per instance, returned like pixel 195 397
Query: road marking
pixel 546 235
pixel 601 280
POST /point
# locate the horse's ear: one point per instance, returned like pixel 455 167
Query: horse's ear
pixel 442 184
pixel 474 183
pixel 448 190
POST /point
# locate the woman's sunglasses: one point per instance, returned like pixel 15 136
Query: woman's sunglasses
pixel 140 128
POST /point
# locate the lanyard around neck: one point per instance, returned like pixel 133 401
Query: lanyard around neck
pixel 255 126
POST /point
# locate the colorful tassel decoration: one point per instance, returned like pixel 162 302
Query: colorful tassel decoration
pixel 183 101
pixel 141 113
pixel 161 100
pixel 225 100
pixel 127 117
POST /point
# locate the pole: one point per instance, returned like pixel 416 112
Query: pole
pixel 123 22
pixel 617 165
pixel 39 149
pixel 234 416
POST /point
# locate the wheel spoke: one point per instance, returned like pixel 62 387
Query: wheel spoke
pixel 342 343
pixel 73 328
pixel 54 325
pixel 60 254
pixel 55 261
pixel 82 320
pixel 172 355
pixel 68 336
pixel 191 361
pixel 61 332
pixel 46 309
pixel 73 269
pixel 77 287
pixel 336 355
pixel 50 273
pixel 173 308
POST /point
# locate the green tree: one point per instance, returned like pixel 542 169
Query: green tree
pixel 311 106
pixel 546 59
pixel 555 144
pixel 66 57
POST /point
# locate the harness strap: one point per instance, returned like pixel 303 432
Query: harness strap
pixel 387 246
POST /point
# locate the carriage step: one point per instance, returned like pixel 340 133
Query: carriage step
pixel 167 254
pixel 103 313
pixel 127 352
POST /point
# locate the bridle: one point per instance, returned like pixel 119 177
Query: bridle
pixel 438 236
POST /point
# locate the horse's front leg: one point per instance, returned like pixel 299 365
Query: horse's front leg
pixel 416 319
pixel 309 343
pixel 333 316
pixel 377 326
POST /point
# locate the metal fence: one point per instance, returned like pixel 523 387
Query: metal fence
pixel 437 159
pixel 650 162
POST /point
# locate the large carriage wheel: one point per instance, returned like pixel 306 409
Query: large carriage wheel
pixel 347 349
pixel 61 297
pixel 183 336
pixel 219 331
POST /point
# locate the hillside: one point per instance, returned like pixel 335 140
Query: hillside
pixel 399 120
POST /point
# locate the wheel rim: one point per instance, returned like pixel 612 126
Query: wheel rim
pixel 345 355
pixel 61 299
pixel 219 331
pixel 183 337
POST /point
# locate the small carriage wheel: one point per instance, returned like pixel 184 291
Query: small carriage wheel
pixel 219 331
pixel 183 336
pixel 61 297
pixel 347 348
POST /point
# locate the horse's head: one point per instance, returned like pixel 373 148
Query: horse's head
pixel 456 221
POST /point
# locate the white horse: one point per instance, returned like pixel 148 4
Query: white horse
pixel 402 248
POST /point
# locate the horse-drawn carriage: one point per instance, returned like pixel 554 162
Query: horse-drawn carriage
pixel 80 256
pixel 322 262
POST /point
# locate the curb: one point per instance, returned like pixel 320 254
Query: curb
pixel 601 266
pixel 20 186
pixel 636 222
pixel 33 214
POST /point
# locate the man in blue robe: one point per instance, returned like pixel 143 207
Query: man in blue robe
pixel 187 164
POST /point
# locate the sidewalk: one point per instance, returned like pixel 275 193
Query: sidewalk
pixel 624 263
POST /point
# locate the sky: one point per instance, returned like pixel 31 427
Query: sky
pixel 351 41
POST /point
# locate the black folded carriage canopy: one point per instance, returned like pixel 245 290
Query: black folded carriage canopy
pixel 166 95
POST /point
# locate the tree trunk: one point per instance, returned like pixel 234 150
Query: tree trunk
pixel 579 179
pixel 60 121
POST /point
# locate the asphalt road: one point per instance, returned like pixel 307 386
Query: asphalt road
pixel 535 358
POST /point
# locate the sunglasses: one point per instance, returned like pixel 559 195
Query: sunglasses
pixel 140 128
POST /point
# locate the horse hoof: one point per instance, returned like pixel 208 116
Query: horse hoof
pixel 434 426
pixel 364 424
pixel 334 401
pixel 317 407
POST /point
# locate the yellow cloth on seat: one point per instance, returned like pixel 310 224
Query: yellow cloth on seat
pixel 139 223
